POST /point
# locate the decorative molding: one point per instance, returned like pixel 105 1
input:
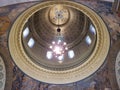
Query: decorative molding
pixel 2 74
pixel 117 68
pixel 60 13
pixel 93 63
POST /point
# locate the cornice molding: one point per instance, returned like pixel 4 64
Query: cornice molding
pixel 93 63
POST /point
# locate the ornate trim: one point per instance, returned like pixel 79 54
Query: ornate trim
pixel 59 77
pixel 117 68
pixel 2 74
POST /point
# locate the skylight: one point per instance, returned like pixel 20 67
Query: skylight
pixel 26 32
pixel 31 42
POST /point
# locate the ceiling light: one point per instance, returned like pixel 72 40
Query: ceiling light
pixel 58 47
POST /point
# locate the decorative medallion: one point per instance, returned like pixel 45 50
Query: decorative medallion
pixel 59 14
pixel 93 62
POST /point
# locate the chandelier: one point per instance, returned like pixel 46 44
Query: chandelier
pixel 58 47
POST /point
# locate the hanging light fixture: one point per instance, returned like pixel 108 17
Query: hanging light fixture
pixel 58 46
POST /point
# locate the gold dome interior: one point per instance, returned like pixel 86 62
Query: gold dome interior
pixel 83 30
pixel 75 28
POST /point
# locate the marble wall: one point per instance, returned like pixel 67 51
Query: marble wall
pixel 103 79
pixel 9 2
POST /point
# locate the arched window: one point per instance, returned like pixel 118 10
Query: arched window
pixel 92 29
pixel 31 42
pixel 71 54
pixel 49 55
pixel 26 32
pixel 88 40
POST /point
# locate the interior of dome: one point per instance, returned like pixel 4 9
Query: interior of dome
pixel 59 42
pixel 60 45
pixel 77 31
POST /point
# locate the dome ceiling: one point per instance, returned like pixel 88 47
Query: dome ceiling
pixel 73 24
pixel 75 27
pixel 59 12
pixel 81 29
